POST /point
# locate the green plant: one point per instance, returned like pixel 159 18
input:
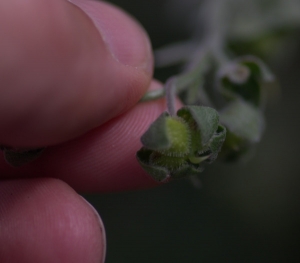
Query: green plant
pixel 179 145
pixel 234 91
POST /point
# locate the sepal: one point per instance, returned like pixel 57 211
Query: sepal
pixel 184 143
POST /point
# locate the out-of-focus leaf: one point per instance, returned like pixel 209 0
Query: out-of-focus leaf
pixel 190 84
pixel 235 148
pixel 245 78
pixel 243 120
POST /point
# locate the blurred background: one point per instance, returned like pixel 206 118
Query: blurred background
pixel 244 212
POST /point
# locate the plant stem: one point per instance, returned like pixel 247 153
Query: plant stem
pixel 170 89
pixel 210 49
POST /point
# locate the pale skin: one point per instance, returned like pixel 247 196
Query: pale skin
pixel 71 84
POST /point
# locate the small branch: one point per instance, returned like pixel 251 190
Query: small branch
pixel 170 90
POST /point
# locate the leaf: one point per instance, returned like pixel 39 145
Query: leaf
pixel 245 78
pixel 216 143
pixel 156 138
pixel 243 120
pixel 235 148
pixel 167 161
pixel 206 120
pixel 245 87
pixel 169 135
pixel 18 158
pixel 218 139
pixel 158 173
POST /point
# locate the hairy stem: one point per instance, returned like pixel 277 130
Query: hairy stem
pixel 170 89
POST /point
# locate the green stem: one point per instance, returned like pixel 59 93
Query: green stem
pixel 170 88
pixel 184 80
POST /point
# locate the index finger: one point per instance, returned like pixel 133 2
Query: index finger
pixel 102 160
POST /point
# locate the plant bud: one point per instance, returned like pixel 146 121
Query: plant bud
pixel 178 146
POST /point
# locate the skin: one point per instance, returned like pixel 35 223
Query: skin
pixel 70 79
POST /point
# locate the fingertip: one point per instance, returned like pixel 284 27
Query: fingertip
pixel 44 220
pixel 124 36
pixel 71 78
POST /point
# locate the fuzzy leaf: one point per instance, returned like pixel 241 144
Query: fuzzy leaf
pixel 158 173
pixel 248 88
pixel 203 119
pixel 217 139
pixel 243 120
pixel 216 143
pixel 234 148
pixel 156 137
pixel 167 161
pixel 169 135
pixel 246 78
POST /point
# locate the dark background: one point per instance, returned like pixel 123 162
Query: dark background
pixel 245 212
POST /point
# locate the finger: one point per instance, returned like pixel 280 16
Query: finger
pixel 65 70
pixel 102 160
pixel 44 220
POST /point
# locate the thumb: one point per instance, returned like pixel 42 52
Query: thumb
pixel 67 67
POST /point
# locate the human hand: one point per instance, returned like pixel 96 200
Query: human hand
pixel 66 86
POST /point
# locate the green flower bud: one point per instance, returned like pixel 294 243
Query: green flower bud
pixel 177 146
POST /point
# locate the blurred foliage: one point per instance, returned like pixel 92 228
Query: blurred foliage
pixel 245 212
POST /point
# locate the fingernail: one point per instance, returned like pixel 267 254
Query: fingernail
pixel 124 37
pixel 101 228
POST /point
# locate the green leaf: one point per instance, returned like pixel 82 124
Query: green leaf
pixel 245 78
pixel 167 161
pixel 216 143
pixel 158 173
pixel 203 119
pixel 243 120
pixel 18 158
pixel 248 88
pixel 156 137
pixel 218 139
pixel 169 135
pixel 257 67
pixel 234 148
